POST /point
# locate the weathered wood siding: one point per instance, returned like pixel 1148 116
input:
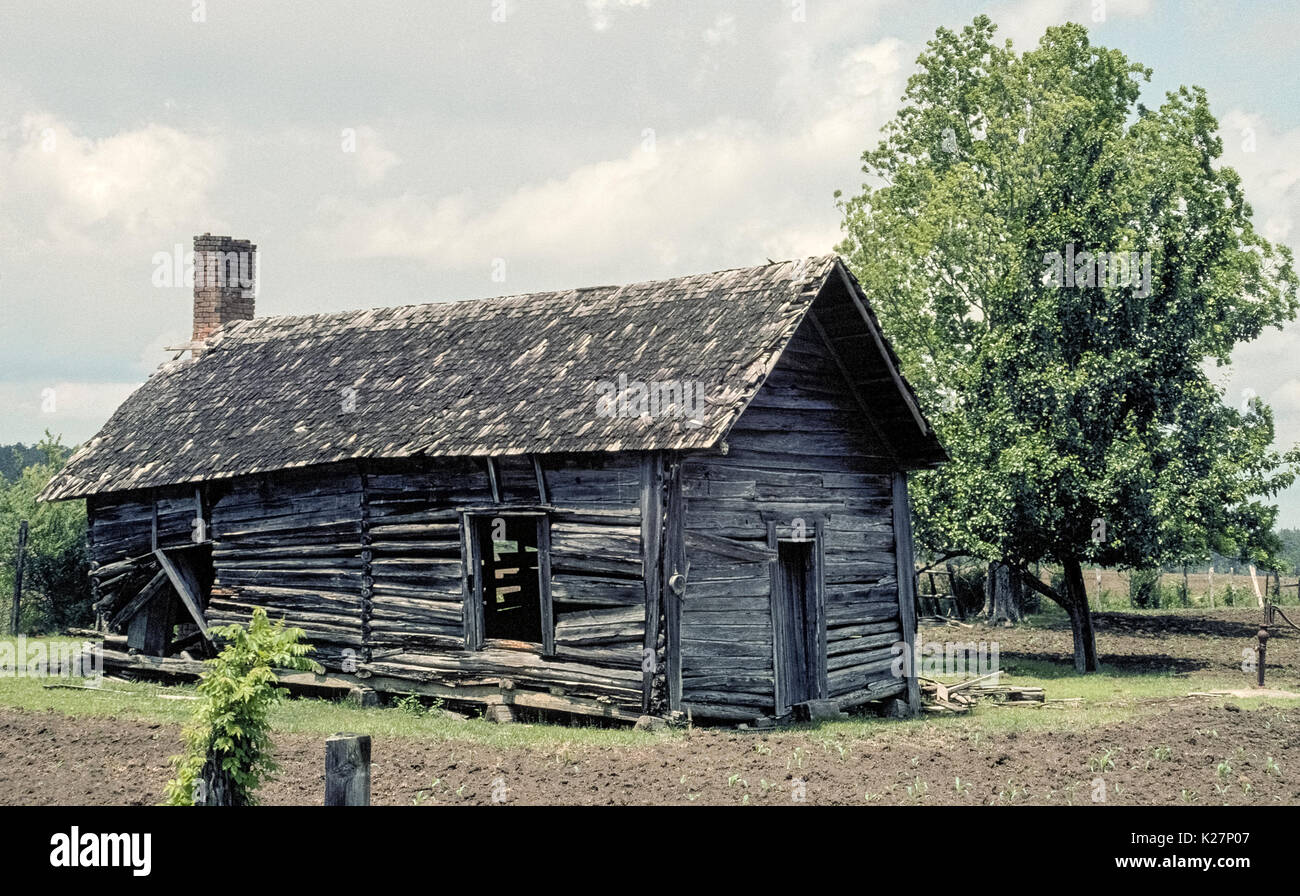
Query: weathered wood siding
pixel 597 588
pixel 123 528
pixel 120 541
pixel 292 543
pixel 597 577
pixel 801 454
pixel 596 585
pixel 367 559
pixel 414 539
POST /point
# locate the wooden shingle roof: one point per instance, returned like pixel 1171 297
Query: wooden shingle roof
pixel 494 377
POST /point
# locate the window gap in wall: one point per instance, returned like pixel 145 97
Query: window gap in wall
pixel 512 594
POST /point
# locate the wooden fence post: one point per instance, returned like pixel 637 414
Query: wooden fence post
pixel 347 770
pixel 18 577
pixel 1262 656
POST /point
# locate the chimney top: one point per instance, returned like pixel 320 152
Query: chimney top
pixel 225 282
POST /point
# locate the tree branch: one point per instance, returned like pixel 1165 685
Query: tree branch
pixel 1036 583
pixel 950 555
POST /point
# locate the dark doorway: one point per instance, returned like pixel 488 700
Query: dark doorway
pixel 796 624
pixel 512 595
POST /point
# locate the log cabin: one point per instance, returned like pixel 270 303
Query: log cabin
pixel 686 496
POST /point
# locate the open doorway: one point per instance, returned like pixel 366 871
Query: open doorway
pixel 797 624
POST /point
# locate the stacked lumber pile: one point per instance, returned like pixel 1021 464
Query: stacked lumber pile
pixel 963 696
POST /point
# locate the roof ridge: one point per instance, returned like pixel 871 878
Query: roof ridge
pixel 256 322
pixel 510 375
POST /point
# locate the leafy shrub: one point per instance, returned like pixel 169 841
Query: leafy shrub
pixel 416 706
pixel 1144 588
pixel 1231 595
pixel 227 745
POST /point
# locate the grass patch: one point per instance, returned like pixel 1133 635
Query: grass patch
pixel 1060 681
pixel 156 703
pixel 1108 700
pixel 1108 697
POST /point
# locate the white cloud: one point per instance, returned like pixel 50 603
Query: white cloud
pixel 772 188
pixel 601 12
pixel 1268 161
pixel 1269 164
pixel 128 184
pixel 373 158
pixel 1024 21
pixel 723 30
pixel 1285 399
pixel 64 408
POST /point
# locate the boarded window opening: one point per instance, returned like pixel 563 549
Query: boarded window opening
pixel 511 577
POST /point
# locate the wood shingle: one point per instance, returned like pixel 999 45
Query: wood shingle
pixel 497 377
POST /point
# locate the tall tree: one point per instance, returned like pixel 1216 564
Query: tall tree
pixel 1057 264
pixel 56 583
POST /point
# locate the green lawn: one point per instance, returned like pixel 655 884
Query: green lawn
pixel 1107 697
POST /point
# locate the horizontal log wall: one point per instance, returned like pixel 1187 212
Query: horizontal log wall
pixel 801 452
pixel 367 560
pixel 291 543
pixel 596 584
pixel 415 551
pixel 120 540
pixel 597 579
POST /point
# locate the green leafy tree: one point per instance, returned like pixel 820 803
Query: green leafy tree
pixel 56 587
pixel 1290 550
pixel 17 457
pixel 228 745
pixel 1073 398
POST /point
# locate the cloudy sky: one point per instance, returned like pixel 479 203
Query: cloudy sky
pixel 389 153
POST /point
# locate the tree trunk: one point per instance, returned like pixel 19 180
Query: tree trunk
pixel 952 589
pixel 1003 596
pixel 215 787
pixel 1076 606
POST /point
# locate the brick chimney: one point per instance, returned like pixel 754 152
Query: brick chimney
pixel 225 275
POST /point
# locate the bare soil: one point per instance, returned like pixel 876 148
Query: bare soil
pixel 1210 641
pixel 1164 751
pixel 1170 754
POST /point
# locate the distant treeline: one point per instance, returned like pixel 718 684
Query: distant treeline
pixel 1291 548
pixel 17 457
